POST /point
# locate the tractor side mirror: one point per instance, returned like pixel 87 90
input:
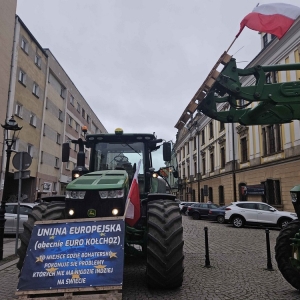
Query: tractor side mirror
pixel 65 152
pixel 167 151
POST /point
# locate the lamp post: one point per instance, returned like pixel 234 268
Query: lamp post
pixel 11 125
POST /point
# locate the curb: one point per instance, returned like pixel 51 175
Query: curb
pixel 8 264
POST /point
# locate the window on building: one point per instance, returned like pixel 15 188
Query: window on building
pixel 203 165
pixel 88 119
pixel 32 119
pixel 24 45
pixel 35 89
pixel 188 171
pixel 83 113
pixel 19 110
pixel 60 115
pixel 203 137
pixel 211 130
pixel 212 162
pixel 244 150
pixel 271 139
pixel 78 107
pixel 63 92
pixel 30 149
pixel 44 130
pixel 22 77
pixel 183 151
pixel 275 77
pixel 37 60
pixel 70 121
pixel 75 147
pixel 42 156
pixel 195 169
pixel 268 78
pixel 71 100
pixel 265 39
pixel 195 142
pixel 67 165
pixel 15 145
pixel 272 192
pixel 188 148
pixel 273 36
pixel 77 127
pixel 222 126
pixel 54 187
pixel 58 137
pixel 56 162
pixel 222 154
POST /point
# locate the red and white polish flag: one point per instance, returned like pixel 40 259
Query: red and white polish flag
pixel 133 203
pixel 274 18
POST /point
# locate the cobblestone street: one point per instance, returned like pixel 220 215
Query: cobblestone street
pixel 238 260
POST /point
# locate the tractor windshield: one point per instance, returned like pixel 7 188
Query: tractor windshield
pixel 117 156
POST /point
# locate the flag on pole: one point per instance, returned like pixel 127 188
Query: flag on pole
pixel 133 204
pixel 274 18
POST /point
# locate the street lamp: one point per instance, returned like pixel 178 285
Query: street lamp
pixel 11 125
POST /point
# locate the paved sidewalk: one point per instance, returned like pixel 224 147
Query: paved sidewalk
pixel 9 257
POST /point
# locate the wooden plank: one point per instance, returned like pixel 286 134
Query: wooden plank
pixel 204 89
pixel 192 107
pixel 58 295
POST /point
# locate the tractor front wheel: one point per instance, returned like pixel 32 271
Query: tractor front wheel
pixel 284 251
pixel 164 245
pixel 41 212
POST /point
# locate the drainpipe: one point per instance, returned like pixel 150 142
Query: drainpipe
pixel 233 166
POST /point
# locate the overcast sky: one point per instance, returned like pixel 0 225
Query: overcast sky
pixel 138 63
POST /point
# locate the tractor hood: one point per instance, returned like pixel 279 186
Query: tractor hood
pixel 100 180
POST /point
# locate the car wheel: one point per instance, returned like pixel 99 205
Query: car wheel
pixel 196 216
pixel 220 219
pixel 238 222
pixel 284 222
pixel 284 251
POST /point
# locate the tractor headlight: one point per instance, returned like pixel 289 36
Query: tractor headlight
pixel 115 211
pixel 75 194
pixel 111 194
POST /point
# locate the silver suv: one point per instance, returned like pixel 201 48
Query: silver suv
pixel 256 213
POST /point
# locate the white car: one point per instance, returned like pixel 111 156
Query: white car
pixel 256 213
pixel 11 216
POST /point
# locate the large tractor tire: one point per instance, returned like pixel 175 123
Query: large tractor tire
pixel 283 252
pixel 164 245
pixel 42 212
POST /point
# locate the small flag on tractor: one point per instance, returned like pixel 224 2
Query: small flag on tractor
pixel 133 203
pixel 274 18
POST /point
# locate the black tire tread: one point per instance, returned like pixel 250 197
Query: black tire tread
pixel 283 252
pixel 40 212
pixel 164 245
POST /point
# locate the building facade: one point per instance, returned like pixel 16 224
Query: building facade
pixel 7 25
pixel 47 105
pixel 231 162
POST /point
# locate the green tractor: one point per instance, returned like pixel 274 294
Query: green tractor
pixel 275 103
pixel 102 191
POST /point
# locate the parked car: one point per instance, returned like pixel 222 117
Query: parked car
pixel 256 213
pixel 200 210
pixel 217 214
pixel 11 216
pixel 183 210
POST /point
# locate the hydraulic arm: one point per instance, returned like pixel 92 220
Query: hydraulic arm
pixel 275 102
